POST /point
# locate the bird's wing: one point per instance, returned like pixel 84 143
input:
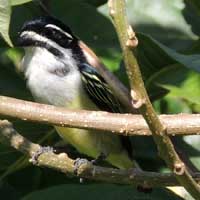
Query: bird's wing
pixel 101 94
pixel 98 90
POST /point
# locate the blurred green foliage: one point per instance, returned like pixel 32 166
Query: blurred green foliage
pixel 169 56
pixel 110 192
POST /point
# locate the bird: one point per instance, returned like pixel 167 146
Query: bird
pixel 58 73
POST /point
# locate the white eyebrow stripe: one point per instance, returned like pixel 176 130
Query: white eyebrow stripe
pixel 59 29
pixel 37 37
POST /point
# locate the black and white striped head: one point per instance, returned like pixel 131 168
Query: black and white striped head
pixel 49 33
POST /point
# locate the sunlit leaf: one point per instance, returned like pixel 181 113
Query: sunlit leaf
pixel 18 2
pixel 188 89
pixel 164 20
pixel 5 12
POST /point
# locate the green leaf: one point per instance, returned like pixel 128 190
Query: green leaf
pixel 96 2
pixel 8 192
pixel 176 72
pixel 196 4
pixel 189 147
pixel 160 55
pixel 192 15
pixel 193 142
pixel 110 192
pixel 171 105
pixel 162 65
pixel 10 83
pixel 29 177
pixel 189 61
pixel 20 14
pixel 179 79
pixel 5 12
pixel 18 2
pixel 164 20
pixel 188 89
pixel 152 57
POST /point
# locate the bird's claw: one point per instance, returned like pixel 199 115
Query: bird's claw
pixel 99 159
pixel 77 163
pixel 47 149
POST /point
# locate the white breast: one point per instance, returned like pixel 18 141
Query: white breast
pixel 47 87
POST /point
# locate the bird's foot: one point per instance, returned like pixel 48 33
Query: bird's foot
pixel 47 149
pixel 77 164
pixel 99 159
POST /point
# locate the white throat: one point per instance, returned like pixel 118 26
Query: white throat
pixel 41 67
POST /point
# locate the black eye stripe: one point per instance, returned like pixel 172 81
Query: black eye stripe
pixel 57 36
pixel 30 42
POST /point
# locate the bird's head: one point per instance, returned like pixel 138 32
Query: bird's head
pixel 50 33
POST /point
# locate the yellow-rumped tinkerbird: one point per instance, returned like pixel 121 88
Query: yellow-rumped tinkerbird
pixel 59 73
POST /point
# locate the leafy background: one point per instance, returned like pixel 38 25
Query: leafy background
pixel 169 56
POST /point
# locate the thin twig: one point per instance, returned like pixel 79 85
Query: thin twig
pixel 141 100
pixel 62 163
pixel 123 124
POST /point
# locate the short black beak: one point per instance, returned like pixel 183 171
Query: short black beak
pixel 23 40
pixel 19 40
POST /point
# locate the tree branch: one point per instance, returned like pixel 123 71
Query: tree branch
pixel 123 124
pixel 141 100
pixel 62 163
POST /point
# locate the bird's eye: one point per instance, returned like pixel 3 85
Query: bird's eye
pixel 57 36
pixel 47 32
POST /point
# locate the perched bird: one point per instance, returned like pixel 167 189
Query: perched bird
pixel 58 73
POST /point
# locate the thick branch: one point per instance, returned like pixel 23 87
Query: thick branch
pixel 141 100
pixel 61 162
pixel 124 124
